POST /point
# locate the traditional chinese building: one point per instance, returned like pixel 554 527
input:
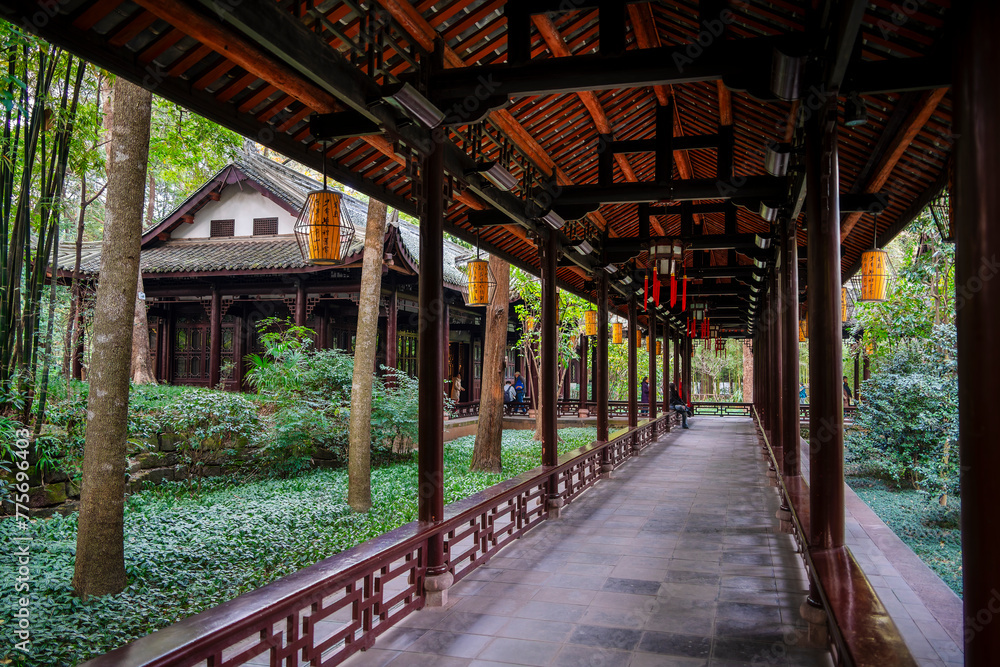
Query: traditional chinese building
pixel 227 258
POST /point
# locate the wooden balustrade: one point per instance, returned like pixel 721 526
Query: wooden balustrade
pixel 328 611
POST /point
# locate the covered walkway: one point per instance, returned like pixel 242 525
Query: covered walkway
pixel 676 560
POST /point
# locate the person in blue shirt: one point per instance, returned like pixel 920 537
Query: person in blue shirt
pixel 802 393
pixel 519 392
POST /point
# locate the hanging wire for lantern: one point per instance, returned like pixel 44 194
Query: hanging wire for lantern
pixel 590 322
pixel 874 282
pixel 617 333
pixel 481 283
pixel 322 231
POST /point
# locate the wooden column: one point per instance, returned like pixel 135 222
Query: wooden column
pixel 432 332
pixel 239 350
pixel 977 302
pixel 686 365
pixel 300 303
pixel 322 328
pixel 866 373
pixel 583 372
pixel 857 375
pixel 677 362
pixel 665 380
pixel 215 338
pixel 790 349
pixel 651 343
pixel 826 411
pixel 392 332
pixel 777 388
pixel 168 357
pixel 549 365
pixel 633 363
pixel 445 342
pixel 601 366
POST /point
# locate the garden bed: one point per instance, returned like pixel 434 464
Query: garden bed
pixel 932 531
pixel 193 545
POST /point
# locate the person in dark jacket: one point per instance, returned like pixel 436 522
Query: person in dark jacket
pixel 678 405
pixel 848 395
pixel 644 395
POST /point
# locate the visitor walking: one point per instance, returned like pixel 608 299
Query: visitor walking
pixel 456 388
pixel 848 396
pixel 519 392
pixel 644 395
pixel 678 406
pixel 802 393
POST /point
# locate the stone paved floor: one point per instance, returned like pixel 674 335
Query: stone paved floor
pixel 674 561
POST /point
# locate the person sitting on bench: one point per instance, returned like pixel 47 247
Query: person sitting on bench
pixel 678 406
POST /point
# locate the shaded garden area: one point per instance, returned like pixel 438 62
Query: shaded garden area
pixel 191 546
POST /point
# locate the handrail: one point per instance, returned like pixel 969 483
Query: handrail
pixel 378 582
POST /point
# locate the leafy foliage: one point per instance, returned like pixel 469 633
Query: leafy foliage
pixel 907 427
pixel 191 547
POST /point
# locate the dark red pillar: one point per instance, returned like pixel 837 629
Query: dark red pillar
pixel 549 365
pixel 431 342
pixel 774 335
pixel 651 344
pixel 215 338
pixel 826 406
pixel 391 332
pixel 977 200
pixel 666 366
pixel 300 303
pixel 583 371
pixel 633 363
pixel 601 366
pixel 790 349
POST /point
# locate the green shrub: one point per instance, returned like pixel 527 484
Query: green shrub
pixel 223 418
pixel 906 428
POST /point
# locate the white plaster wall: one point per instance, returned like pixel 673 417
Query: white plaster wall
pixel 239 205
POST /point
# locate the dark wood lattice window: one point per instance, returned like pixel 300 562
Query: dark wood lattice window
pixel 265 226
pixel 223 228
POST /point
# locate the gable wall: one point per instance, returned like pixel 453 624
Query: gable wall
pixel 239 205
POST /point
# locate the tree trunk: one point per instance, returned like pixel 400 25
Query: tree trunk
pixel 142 365
pixel 486 454
pixel 359 482
pixel 100 553
pixel 747 374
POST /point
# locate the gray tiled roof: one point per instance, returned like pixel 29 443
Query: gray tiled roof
pixel 264 254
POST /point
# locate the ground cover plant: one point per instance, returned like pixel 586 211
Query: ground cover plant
pixel 932 531
pixel 191 546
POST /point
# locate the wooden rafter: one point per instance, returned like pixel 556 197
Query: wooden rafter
pixel 916 121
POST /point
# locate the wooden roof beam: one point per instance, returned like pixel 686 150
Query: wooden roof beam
pixel 550 33
pixel 417 26
pixel 915 122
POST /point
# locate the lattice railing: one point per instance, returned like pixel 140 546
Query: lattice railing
pixel 325 613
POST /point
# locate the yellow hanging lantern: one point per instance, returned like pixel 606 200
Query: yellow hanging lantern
pixel 638 339
pixel 843 305
pixel 481 284
pixel 322 233
pixel 659 347
pixel 590 322
pixel 529 323
pixel 617 333
pixel 803 323
pixel 876 275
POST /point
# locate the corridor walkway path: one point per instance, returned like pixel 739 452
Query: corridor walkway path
pixel 676 560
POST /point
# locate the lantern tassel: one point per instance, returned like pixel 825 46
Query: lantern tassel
pixel 684 294
pixel 673 290
pixel 645 293
pixel 656 292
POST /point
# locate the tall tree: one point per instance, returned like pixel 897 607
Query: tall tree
pixel 100 553
pixel 486 454
pixel 359 474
